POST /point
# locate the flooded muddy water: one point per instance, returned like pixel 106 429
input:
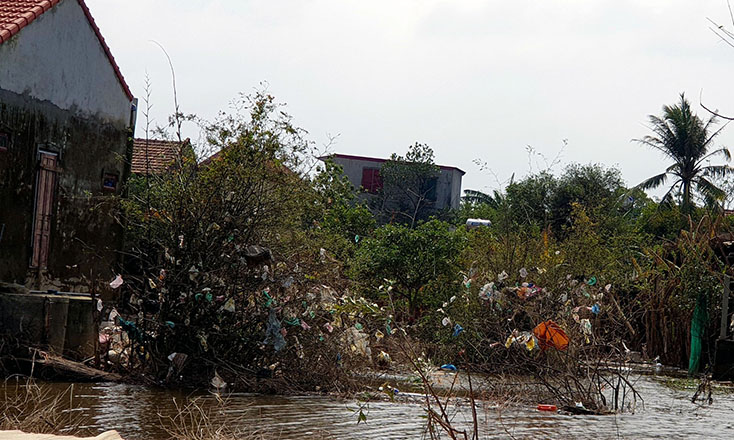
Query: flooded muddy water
pixel 139 413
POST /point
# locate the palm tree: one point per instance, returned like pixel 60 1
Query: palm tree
pixel 474 197
pixel 687 140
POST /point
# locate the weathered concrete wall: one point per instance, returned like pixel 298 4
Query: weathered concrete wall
pixel 448 189
pixel 59 59
pixel 60 324
pixel 454 195
pixel 84 235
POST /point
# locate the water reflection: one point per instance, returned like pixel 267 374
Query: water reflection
pixel 138 413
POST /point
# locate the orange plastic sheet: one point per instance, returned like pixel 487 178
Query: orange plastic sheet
pixel 549 335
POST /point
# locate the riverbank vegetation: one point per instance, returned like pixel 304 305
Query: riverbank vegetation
pixel 263 269
pixel 268 271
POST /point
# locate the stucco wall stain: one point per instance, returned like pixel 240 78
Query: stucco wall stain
pixel 85 236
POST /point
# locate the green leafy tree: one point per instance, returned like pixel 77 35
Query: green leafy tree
pixel 598 189
pixel 542 200
pixel 422 263
pixel 409 188
pixel 531 199
pixel 338 215
pixel 683 137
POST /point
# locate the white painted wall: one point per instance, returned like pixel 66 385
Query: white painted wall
pixel 58 58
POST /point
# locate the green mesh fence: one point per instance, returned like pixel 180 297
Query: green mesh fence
pixel 698 324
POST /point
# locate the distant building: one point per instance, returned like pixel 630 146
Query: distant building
pixel 364 174
pixel 155 156
pixel 66 122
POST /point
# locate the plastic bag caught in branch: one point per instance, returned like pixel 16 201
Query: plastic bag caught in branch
pixel 359 342
pixel 229 305
pixel 273 336
pixel 117 282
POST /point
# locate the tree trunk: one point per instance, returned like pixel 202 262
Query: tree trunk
pixel 687 207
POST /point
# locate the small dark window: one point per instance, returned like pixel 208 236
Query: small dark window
pixel 109 182
pixel 371 180
pixel 4 141
pixel 429 188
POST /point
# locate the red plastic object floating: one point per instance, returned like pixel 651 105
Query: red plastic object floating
pixel 542 407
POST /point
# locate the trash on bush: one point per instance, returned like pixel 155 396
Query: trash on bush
pixel 550 334
pixel 132 329
pixel 383 358
pixel 117 282
pixel 467 282
pixel 457 330
pixel 586 329
pixel 487 291
pixel 217 382
pixel 526 338
pixel 270 300
pixel 203 341
pixel 359 342
pixel 527 290
pixel 379 335
pixel 448 367
pixel 177 363
pixel 229 306
pixel 273 336
pixel 255 255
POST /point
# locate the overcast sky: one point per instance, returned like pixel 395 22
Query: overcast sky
pixel 473 79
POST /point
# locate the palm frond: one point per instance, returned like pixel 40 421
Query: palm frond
pixel 720 152
pixel 656 144
pixel 653 182
pixel 480 198
pixel 668 197
pixel 709 190
pixel 717 170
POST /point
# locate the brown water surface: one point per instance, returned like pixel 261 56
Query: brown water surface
pixel 137 412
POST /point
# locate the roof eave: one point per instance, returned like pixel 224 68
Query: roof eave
pixel 377 159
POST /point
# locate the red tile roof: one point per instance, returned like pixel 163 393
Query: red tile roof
pixel 160 155
pixel 17 14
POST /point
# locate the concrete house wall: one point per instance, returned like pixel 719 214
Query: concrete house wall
pixel 448 189
pixel 58 58
pixel 61 92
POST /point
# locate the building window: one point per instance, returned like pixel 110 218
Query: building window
pixel 429 189
pixel 371 180
pixel 4 141
pixel 109 182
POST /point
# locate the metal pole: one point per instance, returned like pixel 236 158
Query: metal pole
pixel 725 306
